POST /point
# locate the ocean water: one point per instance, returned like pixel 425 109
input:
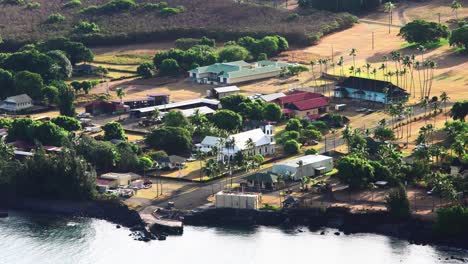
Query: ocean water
pixel 38 239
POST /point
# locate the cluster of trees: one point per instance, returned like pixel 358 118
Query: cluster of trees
pixel 40 69
pixel 193 53
pixel 187 43
pixel 105 156
pixel 62 176
pixel 369 161
pixel 45 133
pixel 86 86
pixel 424 32
pixel 299 132
pixel 252 109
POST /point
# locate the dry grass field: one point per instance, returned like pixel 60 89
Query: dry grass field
pixel 451 74
pixel 222 18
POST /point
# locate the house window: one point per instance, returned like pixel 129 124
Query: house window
pixel 266 150
pixel 260 150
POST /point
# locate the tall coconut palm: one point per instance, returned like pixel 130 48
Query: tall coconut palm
pixel 388 7
pixel 444 98
pixel 374 72
pixel 120 94
pixel 418 66
pixel 353 53
pixel 423 104
pixel 396 57
pixel 333 132
pixel 367 66
pixel 435 107
pixel 408 111
pixel 341 64
pixel 455 7
pixel 312 65
pixel 430 78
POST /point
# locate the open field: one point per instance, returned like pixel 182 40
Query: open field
pixel 451 74
pixel 217 18
pixel 428 10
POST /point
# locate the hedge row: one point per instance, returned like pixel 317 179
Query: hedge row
pixel 170 34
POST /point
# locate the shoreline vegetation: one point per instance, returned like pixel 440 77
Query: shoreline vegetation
pixel 414 230
pixel 196 20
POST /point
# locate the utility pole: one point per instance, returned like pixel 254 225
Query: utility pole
pixel 372 40
pixel 439 17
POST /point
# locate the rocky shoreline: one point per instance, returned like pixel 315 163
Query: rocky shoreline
pixel 414 230
pixel 112 211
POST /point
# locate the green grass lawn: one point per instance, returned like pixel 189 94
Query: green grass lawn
pixel 124 58
pixel 431 45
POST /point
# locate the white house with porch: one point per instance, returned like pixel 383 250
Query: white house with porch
pixel 262 139
pixel 17 103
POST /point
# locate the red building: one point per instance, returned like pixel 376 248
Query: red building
pixel 303 104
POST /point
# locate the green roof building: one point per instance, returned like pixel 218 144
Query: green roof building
pixel 263 180
pixel 237 72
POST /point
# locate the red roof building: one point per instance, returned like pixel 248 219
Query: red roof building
pixel 304 104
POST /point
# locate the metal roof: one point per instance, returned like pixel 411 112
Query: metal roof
pixel 227 89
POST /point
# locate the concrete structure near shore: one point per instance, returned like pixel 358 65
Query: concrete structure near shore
pixel 238 200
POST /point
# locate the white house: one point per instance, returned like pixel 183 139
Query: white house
pixel 312 165
pixel 17 103
pixel 209 143
pixel 264 143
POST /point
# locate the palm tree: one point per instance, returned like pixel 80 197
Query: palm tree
pixel 341 64
pixel 333 131
pixel 431 67
pixel 408 112
pixel 396 57
pixel 374 72
pixel 353 53
pixel 444 98
pixel 435 107
pixel 300 164
pixel 455 7
pixel 347 135
pixel 367 66
pixel 230 145
pixel 250 146
pixel 120 94
pixel 312 64
pixel 423 104
pixel 388 7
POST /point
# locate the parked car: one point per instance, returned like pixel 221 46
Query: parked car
pixel 84 115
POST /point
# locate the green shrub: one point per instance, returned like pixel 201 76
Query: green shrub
pixel 186 43
pixel 292 17
pixel 452 221
pixel 169 67
pixel 112 6
pixel 33 5
pixel 55 18
pixel 72 4
pixel 157 6
pixel 398 204
pixel 291 147
pixel 169 11
pixel 86 28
